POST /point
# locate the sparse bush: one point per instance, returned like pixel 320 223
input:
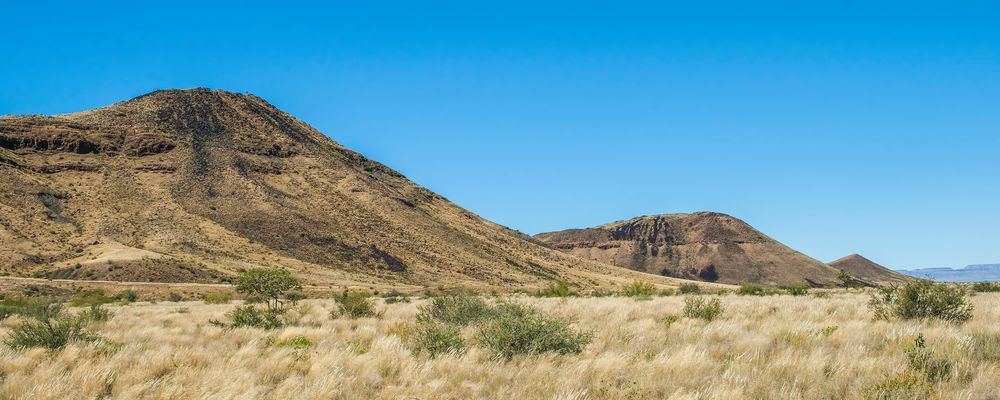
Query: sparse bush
pixel 174 297
pixel 458 309
pixel 12 306
pixel 354 305
pixel 394 296
pixel 669 320
pixel 828 331
pixel 298 342
pixel 217 298
pixel 435 338
pixel 689 288
pixel 556 289
pixel 249 316
pixel 922 360
pixel 127 296
pixel 750 289
pixel 295 296
pixel 907 386
pixel 986 287
pixel 639 290
pixel 797 290
pixel 518 329
pixel 921 299
pixel 97 313
pixel 90 298
pixel 49 326
pixel 698 307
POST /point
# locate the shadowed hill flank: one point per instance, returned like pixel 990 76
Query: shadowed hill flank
pixel 206 183
pixel 868 271
pixel 704 246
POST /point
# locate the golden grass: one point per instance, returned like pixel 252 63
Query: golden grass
pixel 775 347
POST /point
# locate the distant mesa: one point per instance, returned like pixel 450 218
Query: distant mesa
pixel 868 271
pixel 970 273
pixel 704 246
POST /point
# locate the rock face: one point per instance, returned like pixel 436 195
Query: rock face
pixel 703 246
pixel 868 271
pixel 206 183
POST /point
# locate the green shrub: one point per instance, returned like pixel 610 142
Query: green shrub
pixel 434 338
pixel 250 316
pixel 394 296
pixel 986 287
pixel 689 288
pixel 217 298
pixel 354 305
pixel 750 289
pixel 556 289
pixel 90 298
pixel 397 299
pixel 845 277
pixel 457 309
pixel 518 329
pixel 295 296
pixel 96 313
pixel 665 292
pixel 921 299
pixel 669 320
pixel 797 290
pixel 49 327
pixel 698 307
pixel 922 360
pixel 12 306
pixel 296 342
pixel 907 386
pixel 127 296
pixel 639 290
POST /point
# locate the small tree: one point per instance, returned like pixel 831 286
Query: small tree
pixel 846 277
pixel 268 285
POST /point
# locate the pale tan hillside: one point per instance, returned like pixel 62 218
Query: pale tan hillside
pixel 195 185
pixel 705 246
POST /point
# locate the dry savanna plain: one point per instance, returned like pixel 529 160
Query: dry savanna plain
pixel 822 345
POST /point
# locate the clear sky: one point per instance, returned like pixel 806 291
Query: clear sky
pixel 835 128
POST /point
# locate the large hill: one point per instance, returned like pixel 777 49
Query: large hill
pixel 868 271
pixel 705 246
pixel 195 185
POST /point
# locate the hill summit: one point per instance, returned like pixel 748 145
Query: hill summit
pixel 868 271
pixel 705 246
pixel 196 185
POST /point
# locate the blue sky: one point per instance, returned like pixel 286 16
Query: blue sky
pixel 835 128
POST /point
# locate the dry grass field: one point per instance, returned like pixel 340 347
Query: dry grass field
pixel 772 347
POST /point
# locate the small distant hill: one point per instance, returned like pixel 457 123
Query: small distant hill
pixel 705 246
pixel 868 270
pixel 970 273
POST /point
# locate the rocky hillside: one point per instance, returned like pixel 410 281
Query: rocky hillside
pixel 704 246
pixel 195 185
pixel 868 271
